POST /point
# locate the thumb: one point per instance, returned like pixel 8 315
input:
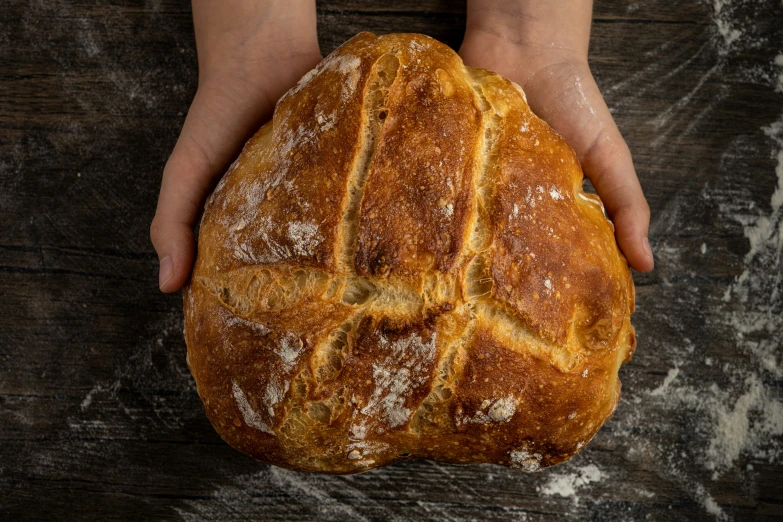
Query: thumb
pixel 208 141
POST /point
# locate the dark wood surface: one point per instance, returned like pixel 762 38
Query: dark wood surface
pixel 99 418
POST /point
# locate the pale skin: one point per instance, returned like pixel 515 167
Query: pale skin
pixel 250 52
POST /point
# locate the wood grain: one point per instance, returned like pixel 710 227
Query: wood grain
pixel 99 418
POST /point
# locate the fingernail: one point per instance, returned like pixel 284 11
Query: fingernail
pixel 166 271
pixel 648 250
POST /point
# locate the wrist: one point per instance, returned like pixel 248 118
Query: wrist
pixel 531 33
pixel 273 69
pixel 250 40
pixel 517 60
pixel 264 47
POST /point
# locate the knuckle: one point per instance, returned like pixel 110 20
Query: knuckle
pixel 199 155
pixel 605 148
pixel 622 210
pixel 644 207
pixel 156 231
pixel 187 165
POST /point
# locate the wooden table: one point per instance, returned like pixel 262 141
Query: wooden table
pixel 99 418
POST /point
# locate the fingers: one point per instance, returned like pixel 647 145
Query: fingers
pixel 208 141
pixel 566 96
pixel 608 164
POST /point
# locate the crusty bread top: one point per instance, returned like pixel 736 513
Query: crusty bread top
pixel 404 263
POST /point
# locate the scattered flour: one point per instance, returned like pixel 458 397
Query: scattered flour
pixel 582 97
pixel 313 496
pixel 568 484
pixel 244 247
pixel 395 377
pixel 736 432
pixel 97 389
pixel 779 65
pixel 731 403
pixel 327 122
pixel 754 424
pixel 391 390
pixel 740 416
pixel 726 25
pixel 710 506
pixel 530 198
pixel 673 373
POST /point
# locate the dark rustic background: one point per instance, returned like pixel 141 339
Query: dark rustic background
pixel 99 418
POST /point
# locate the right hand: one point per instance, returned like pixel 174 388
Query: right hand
pixel 542 46
pixel 250 53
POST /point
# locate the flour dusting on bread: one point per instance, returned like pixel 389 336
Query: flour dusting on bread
pixel 500 410
pixel 252 418
pixel 525 459
pixel 305 237
pixel 230 320
pixel 289 349
pixel 395 377
pixel 275 392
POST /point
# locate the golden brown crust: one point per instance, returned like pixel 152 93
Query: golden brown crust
pixel 280 202
pixel 403 264
pixel 424 163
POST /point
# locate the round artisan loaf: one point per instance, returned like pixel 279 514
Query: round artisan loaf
pixel 403 264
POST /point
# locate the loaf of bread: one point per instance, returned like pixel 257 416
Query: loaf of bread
pixel 403 264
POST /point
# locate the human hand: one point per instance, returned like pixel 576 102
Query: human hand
pixel 249 54
pixel 542 46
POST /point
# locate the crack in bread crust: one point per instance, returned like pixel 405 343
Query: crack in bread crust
pixel 382 78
